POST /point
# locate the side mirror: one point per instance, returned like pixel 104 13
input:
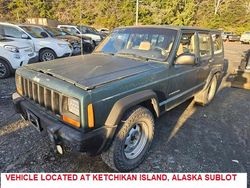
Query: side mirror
pixel 25 36
pixel 185 59
pixel 45 35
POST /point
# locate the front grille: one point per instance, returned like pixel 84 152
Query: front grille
pixel 42 95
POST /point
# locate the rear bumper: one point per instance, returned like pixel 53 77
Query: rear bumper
pixel 92 142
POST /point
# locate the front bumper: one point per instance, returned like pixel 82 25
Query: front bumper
pixel 92 142
pixel 33 60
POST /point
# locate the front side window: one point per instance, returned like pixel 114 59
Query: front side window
pixel 205 44
pixel 217 43
pixel 9 31
pixel 53 32
pixel 35 32
pixel 150 43
pixel 187 44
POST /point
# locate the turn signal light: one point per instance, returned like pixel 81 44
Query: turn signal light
pixel 71 121
pixel 91 122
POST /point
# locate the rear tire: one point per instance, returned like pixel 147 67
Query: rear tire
pixel 47 55
pixel 4 69
pixel 205 97
pixel 132 141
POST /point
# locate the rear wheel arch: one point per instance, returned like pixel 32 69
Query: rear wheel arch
pixel 146 98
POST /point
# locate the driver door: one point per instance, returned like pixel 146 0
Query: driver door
pixel 183 77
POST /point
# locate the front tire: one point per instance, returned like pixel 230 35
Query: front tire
pixel 4 70
pixel 132 141
pixel 47 55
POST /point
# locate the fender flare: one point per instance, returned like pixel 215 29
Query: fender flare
pixel 122 105
pixel 213 72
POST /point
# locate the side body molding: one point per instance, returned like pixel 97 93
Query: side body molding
pixel 122 105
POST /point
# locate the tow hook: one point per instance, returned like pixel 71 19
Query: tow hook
pixel 57 148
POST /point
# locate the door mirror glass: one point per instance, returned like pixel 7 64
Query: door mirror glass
pixel 185 59
pixel 24 36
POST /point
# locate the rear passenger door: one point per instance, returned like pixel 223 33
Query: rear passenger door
pixel 205 56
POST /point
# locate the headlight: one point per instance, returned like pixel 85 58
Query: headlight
pixel 71 111
pixel 19 84
pixel 13 49
pixel 73 106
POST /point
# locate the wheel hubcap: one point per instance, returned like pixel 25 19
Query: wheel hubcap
pixel 48 56
pixel 2 70
pixel 135 141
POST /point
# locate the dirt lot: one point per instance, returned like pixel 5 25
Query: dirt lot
pixel 188 139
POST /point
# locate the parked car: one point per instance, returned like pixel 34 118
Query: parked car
pixel 46 48
pixel 84 31
pixel 75 41
pixel 107 102
pixel 233 38
pixel 230 36
pixel 245 38
pixel 104 31
pixel 225 35
pixel 14 54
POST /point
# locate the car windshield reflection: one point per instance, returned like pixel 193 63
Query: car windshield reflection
pixel 148 43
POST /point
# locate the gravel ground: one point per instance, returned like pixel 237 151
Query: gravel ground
pixel 189 138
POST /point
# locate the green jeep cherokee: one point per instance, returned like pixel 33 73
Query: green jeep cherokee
pixel 106 102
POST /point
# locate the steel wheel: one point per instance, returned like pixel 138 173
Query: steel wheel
pixel 135 141
pixel 3 70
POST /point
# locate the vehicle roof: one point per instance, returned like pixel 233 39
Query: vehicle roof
pixel 173 27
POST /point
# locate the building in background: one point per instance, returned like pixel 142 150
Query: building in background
pixel 43 21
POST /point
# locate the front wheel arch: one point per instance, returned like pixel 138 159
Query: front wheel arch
pixel 146 98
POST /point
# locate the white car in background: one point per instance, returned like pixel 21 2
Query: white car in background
pixel 14 54
pixel 83 31
pixel 47 48
pixel 245 37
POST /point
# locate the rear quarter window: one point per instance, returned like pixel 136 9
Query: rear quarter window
pixel 205 47
pixel 217 43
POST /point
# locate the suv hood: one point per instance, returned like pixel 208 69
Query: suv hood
pixel 69 38
pixel 92 70
pixel 50 40
pixel 17 44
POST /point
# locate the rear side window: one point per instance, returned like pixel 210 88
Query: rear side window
pixel 12 32
pixel 217 43
pixel 205 44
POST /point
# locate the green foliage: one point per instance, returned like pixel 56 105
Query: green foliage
pixel 232 15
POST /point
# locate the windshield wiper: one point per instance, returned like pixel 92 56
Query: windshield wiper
pixel 133 55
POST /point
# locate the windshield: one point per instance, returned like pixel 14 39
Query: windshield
pixel 35 32
pixel 85 29
pixel 150 43
pixel 54 32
